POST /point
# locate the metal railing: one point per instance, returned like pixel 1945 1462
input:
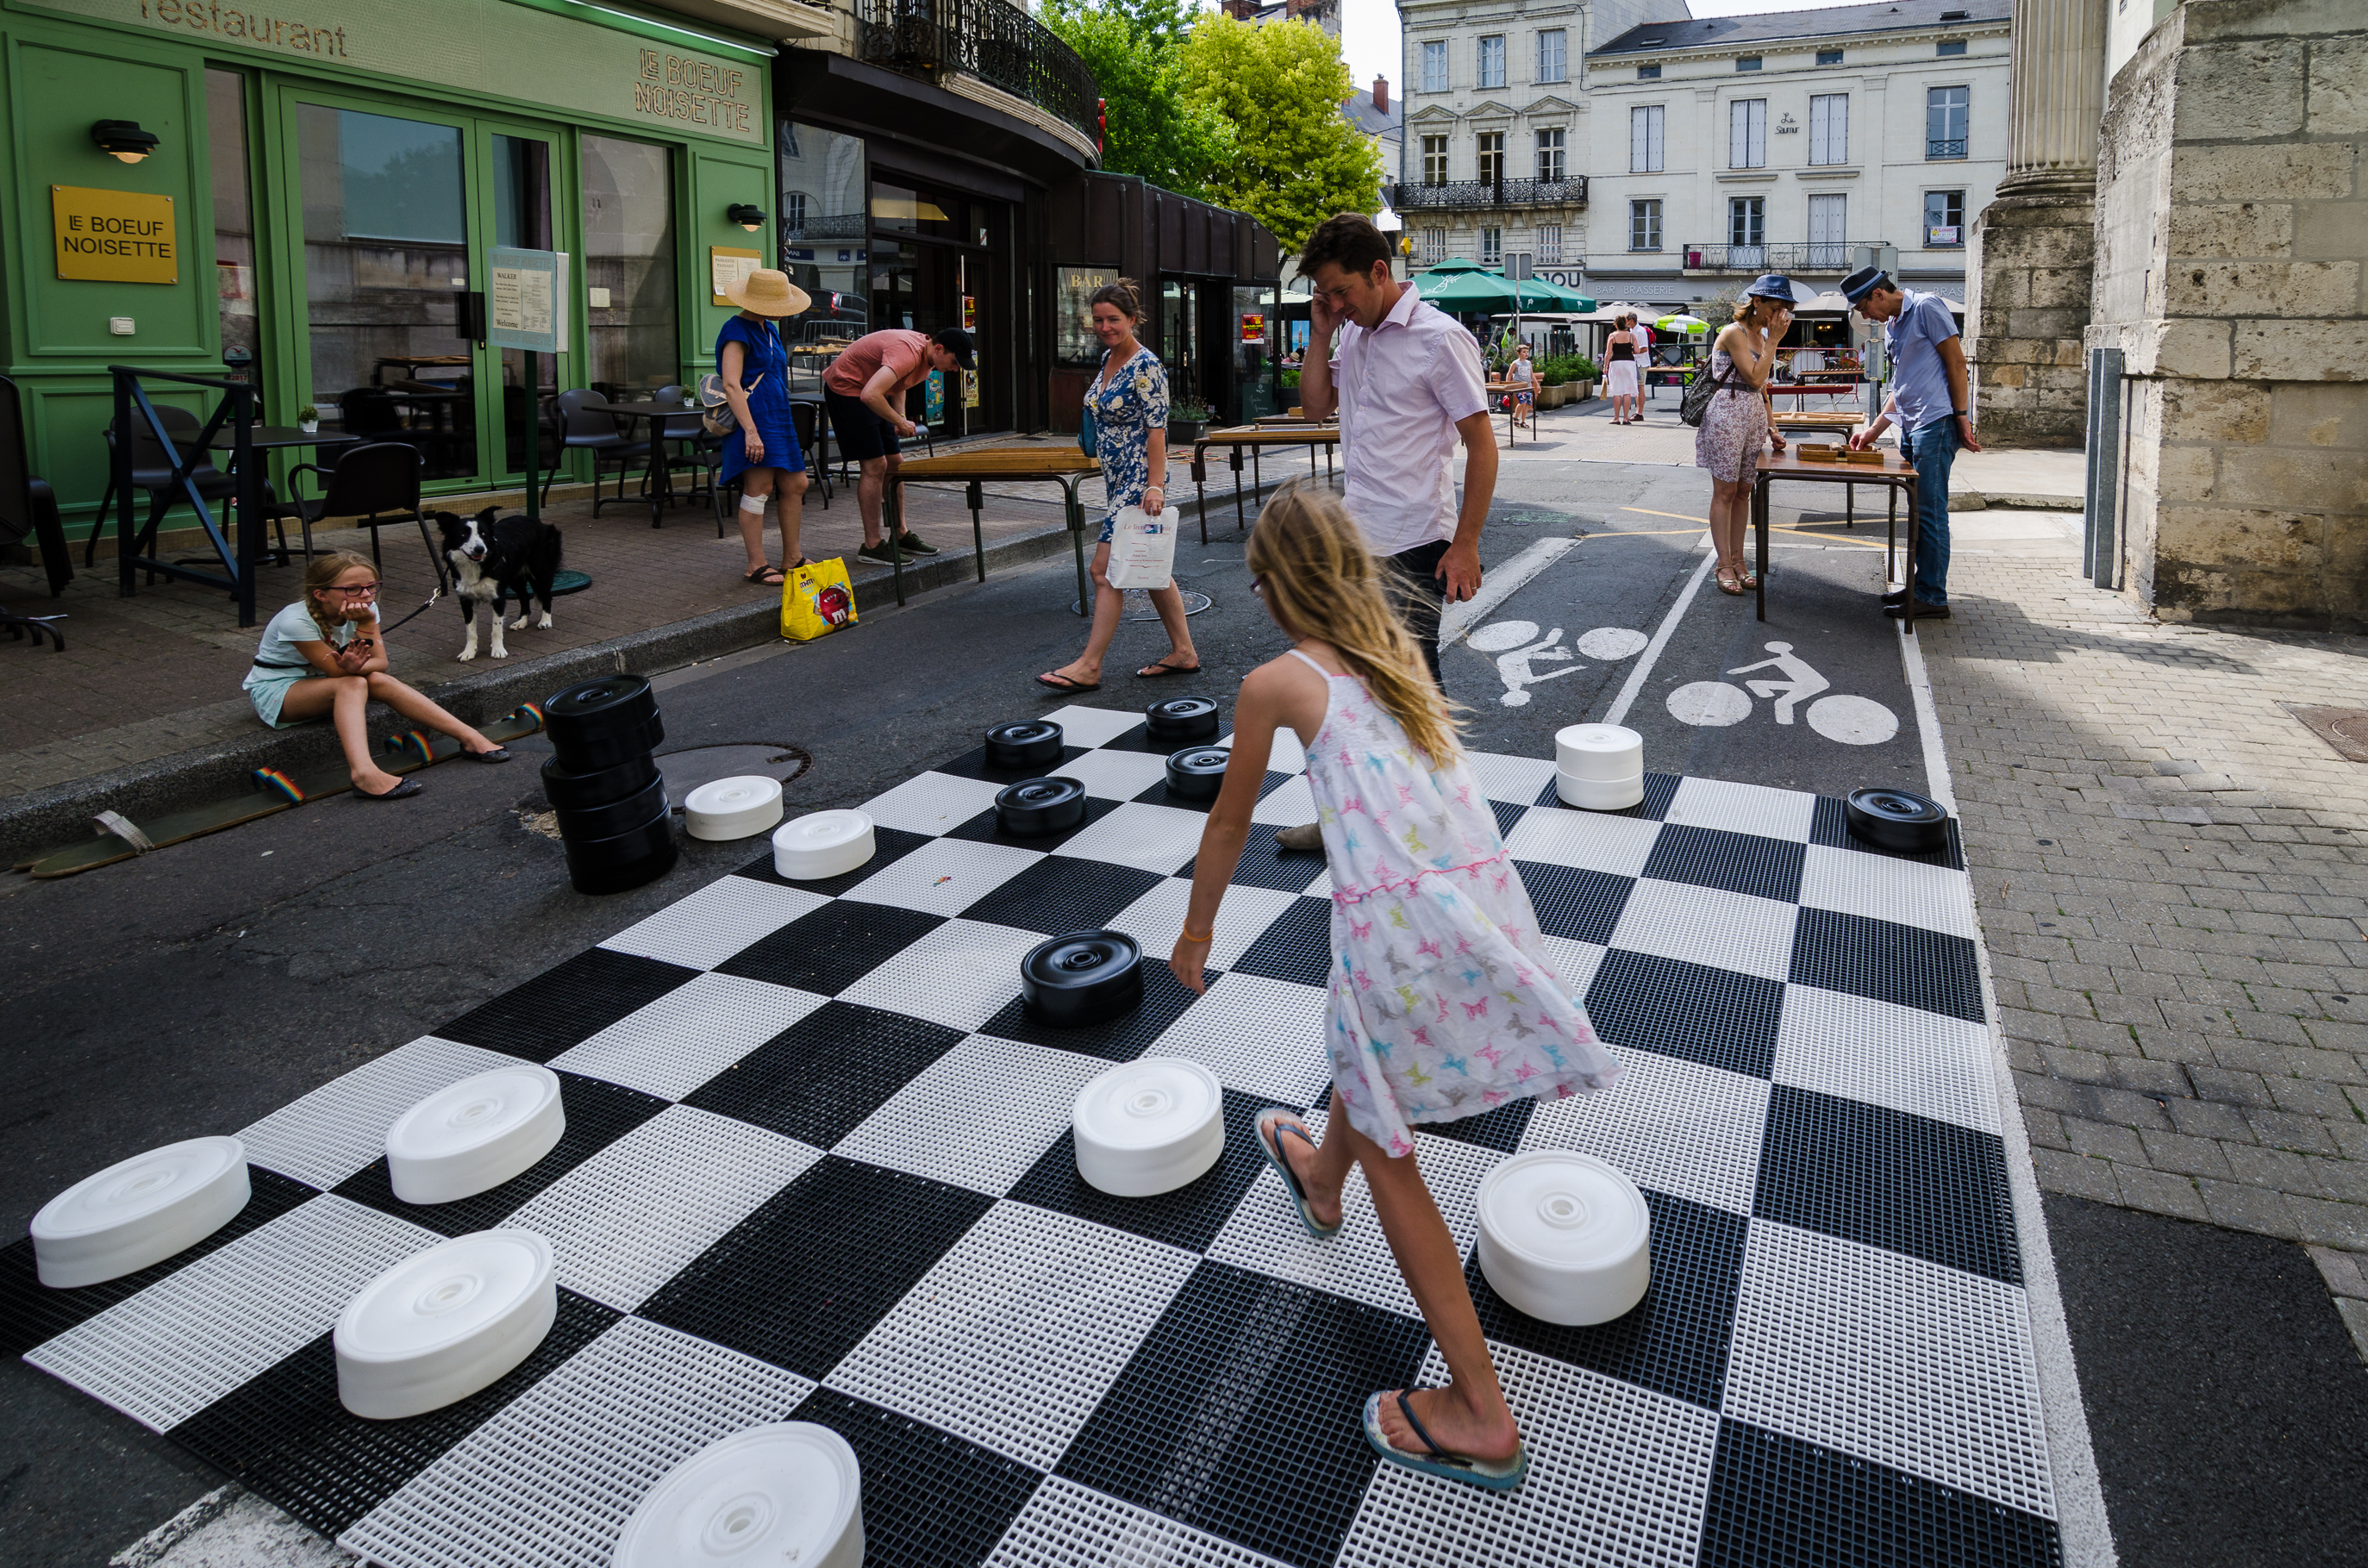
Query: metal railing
pixel 837 226
pixel 991 39
pixel 1816 257
pixel 1481 193
pixel 1936 148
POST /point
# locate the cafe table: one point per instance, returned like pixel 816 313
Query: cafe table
pixel 1894 474
pixel 657 479
pixel 1255 438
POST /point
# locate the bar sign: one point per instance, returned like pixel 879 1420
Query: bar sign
pixel 114 236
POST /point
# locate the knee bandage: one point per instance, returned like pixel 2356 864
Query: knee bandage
pixel 754 504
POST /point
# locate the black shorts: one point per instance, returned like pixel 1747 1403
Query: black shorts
pixel 862 435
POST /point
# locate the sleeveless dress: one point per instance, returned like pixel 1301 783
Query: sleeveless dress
pixel 1444 1004
pixel 769 405
pixel 1620 371
pixel 1128 404
pixel 1731 433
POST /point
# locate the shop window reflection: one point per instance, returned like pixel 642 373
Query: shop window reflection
pixel 628 250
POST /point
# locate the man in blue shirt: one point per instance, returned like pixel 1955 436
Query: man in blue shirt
pixel 1928 403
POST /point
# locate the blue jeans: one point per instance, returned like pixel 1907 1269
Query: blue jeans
pixel 1931 448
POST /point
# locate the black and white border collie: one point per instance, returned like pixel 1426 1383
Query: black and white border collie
pixel 495 560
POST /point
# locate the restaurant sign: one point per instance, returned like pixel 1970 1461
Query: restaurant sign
pixel 114 236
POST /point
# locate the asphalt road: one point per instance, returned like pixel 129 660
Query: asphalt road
pixel 197 989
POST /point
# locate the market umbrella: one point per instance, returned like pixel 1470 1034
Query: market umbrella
pixel 1468 289
pixel 1682 324
pixel 1537 294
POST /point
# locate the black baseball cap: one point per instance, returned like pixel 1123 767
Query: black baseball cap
pixel 957 342
pixel 1864 281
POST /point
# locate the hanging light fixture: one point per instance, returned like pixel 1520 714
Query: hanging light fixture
pixel 747 214
pixel 123 139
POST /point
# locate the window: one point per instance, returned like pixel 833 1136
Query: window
pixel 1949 45
pixel 1434 66
pixel 1747 133
pixel 794 213
pixel 1492 61
pixel 1434 246
pixel 1644 125
pixel 1747 228
pixel 1434 160
pixel 1829 128
pixel 1492 246
pixel 1550 245
pixel 1550 150
pixel 1492 156
pixel 1746 62
pixel 1829 57
pixel 1946 111
pixel 1648 73
pixel 1944 220
pixel 1828 232
pixel 1554 55
pixel 1644 225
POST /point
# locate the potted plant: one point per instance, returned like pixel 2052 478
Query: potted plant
pixel 1584 374
pixel 1188 421
pixel 308 420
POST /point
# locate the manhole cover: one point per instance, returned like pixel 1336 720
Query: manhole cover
pixel 686 770
pixel 2345 729
pixel 1140 607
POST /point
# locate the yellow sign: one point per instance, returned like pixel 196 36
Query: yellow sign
pixel 728 268
pixel 114 236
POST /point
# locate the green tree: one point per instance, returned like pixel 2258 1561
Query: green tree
pixel 1134 48
pixel 1295 160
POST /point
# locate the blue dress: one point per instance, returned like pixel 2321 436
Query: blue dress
pixel 1128 405
pixel 768 403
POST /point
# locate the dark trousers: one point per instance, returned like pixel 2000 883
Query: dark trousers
pixel 1420 598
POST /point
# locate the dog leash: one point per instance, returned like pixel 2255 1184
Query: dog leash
pixel 415 615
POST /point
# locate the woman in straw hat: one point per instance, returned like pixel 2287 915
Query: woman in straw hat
pixel 763 453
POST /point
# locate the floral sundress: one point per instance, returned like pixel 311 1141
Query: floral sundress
pixel 1128 404
pixel 1444 1004
pixel 1731 433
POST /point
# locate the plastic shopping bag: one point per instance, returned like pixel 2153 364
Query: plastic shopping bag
pixel 816 600
pixel 1142 549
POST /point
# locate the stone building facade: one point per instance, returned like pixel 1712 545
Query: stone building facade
pixel 2231 234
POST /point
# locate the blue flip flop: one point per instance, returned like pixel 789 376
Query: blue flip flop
pixel 1497 1475
pixel 1269 1144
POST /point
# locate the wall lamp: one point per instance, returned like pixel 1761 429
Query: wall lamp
pixel 747 214
pixel 123 139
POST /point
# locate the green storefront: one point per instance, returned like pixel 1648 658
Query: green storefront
pixel 331 174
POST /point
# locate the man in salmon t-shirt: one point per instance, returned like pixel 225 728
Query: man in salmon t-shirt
pixel 864 390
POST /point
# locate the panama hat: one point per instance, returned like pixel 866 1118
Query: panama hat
pixel 768 293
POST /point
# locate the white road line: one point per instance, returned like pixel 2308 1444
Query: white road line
pixel 1627 698
pixel 1497 585
pixel 1928 722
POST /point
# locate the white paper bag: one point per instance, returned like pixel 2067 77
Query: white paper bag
pixel 1142 549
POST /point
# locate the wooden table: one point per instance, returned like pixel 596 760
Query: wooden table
pixel 1498 389
pixel 1821 419
pixel 1893 473
pixel 1255 438
pixel 1061 465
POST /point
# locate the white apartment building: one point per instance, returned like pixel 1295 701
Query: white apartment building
pixel 1629 150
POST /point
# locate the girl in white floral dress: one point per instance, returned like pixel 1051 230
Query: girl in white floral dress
pixel 1444 1003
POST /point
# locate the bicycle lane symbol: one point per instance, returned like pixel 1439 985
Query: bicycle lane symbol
pixel 1847 720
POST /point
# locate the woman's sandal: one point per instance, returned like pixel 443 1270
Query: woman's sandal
pixel 1056 681
pixel 759 575
pixel 1497 1475
pixel 1750 579
pixel 1728 583
pixel 1163 670
pixel 1270 1133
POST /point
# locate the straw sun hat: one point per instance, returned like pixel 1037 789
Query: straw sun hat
pixel 769 293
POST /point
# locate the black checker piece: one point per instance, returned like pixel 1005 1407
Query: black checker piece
pixel 1190 1217
pixel 567 1005
pixel 1732 862
pixel 973 764
pixel 1159 795
pixel 1907 964
pixel 889 844
pixel 832 948
pixel 1297 945
pixel 930 1499
pixel 801 1281
pixel 820 1078
pixel 987 828
pixel 1122 1039
pixel 1830 825
pixel 1716 1017
pixel 1064 895
pixel 1582 905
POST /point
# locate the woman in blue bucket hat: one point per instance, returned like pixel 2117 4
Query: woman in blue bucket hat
pixel 1737 421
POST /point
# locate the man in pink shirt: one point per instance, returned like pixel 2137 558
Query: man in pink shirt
pixel 864 391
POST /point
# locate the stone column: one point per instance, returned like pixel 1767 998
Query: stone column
pixel 2029 273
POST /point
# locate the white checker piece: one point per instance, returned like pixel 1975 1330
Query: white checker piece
pixel 1906 893
pixel 1907 1059
pixel 1923 1367
pixel 1069 1526
pixel 959 975
pixel 1672 1125
pixel 672 1045
pixel 635 1214
pixel 1153 838
pixel 1115 774
pixel 933 803
pixel 1552 836
pixel 553 1476
pixel 1709 926
pixel 719 920
pixel 1262 1037
pixel 1015 1336
pixel 943 877
pixel 1082 725
pixel 1573 960
pixel 979 1117
pixel 1289 805
pixel 1156 919
pixel 1743 808
pixel 165 1354
pixel 1517 781
pixel 1618 1475
pixel 341 1127
pixel 1265 1236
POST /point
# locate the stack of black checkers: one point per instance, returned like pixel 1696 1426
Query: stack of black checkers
pixel 615 820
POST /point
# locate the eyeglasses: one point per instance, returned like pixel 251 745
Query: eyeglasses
pixel 359 591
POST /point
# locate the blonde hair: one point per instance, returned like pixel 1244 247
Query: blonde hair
pixel 325 569
pixel 1321 582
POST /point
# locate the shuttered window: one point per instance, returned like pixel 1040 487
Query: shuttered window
pixel 1747 133
pixel 1829 129
pixel 1645 124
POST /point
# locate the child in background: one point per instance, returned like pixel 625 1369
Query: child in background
pixel 1444 1005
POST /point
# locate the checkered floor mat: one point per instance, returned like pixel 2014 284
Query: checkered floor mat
pixel 818 1166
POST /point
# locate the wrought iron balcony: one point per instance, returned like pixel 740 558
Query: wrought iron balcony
pixel 836 226
pixel 1825 256
pixel 1935 149
pixel 1473 194
pixel 991 39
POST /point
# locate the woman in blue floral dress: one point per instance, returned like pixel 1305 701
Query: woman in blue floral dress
pixel 1129 403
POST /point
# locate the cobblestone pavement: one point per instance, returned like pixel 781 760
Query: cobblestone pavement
pixel 2172 874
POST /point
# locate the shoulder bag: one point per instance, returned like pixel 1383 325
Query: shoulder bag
pixel 1088 437
pixel 715 416
pixel 1699 391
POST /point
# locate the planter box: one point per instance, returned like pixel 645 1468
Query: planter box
pixel 1184 432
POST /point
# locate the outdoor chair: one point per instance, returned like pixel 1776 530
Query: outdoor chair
pixel 584 427
pixel 27 505
pixel 151 470
pixel 377 482
pixel 689 437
